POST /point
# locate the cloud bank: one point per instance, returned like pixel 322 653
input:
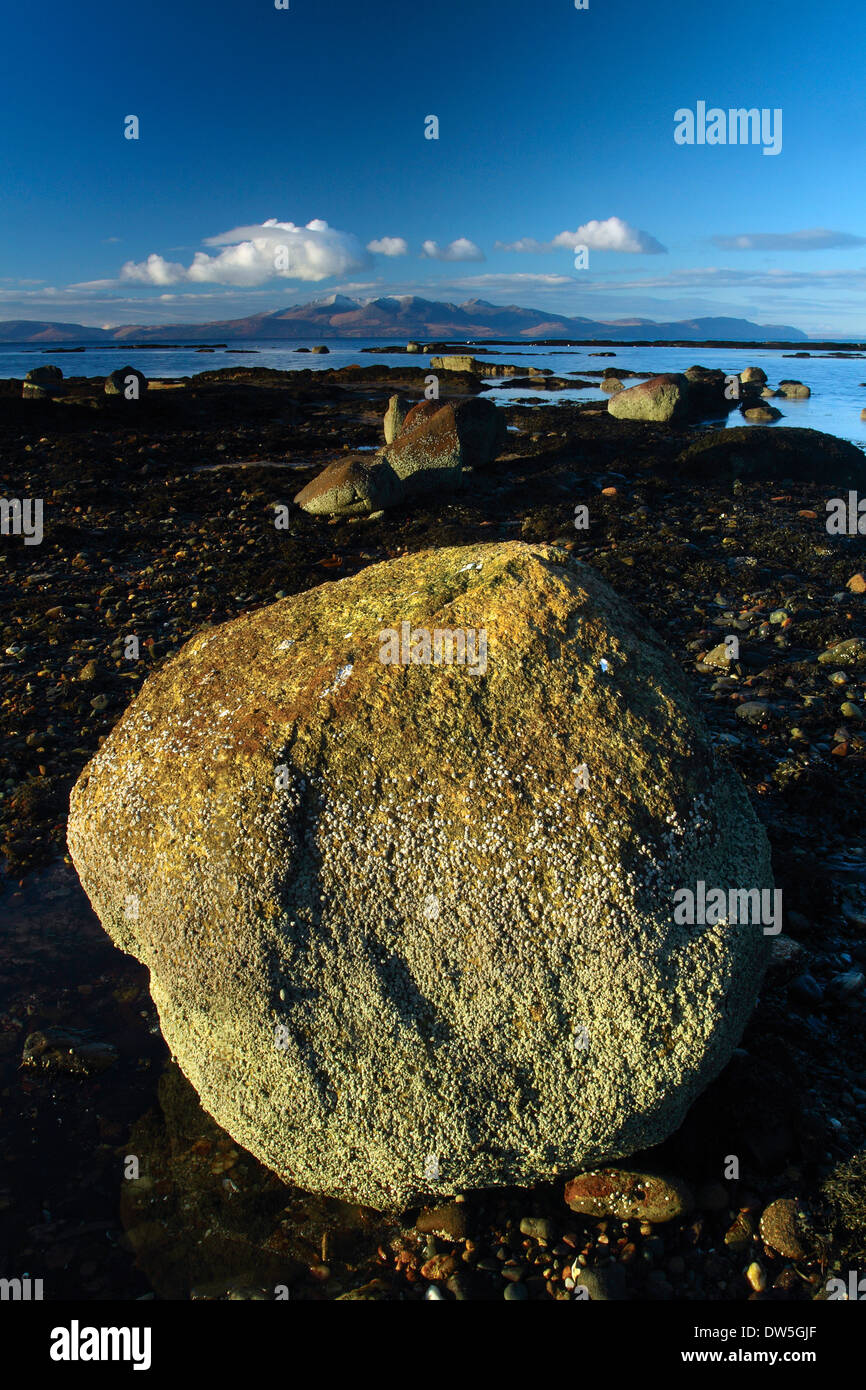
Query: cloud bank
pixel 254 254
pixel 812 239
pixel 613 234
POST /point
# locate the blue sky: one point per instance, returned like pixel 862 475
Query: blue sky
pixel 556 129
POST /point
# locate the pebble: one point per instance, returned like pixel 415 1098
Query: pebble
pixel 756 1276
pixel 604 1285
pixel 516 1293
pixel 540 1228
pixel 782 1228
pixel 448 1221
pixel 440 1267
pixel 628 1195
pixel 807 990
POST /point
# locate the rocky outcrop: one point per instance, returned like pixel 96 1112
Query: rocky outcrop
pixel 753 451
pixel 456 364
pixel 410 927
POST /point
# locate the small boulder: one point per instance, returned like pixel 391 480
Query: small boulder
pixel 413 347
pixel 662 398
pixel 127 382
pixel 611 385
pixel 753 374
pixel 761 414
pixel 398 409
pixel 351 486
pixel 43 382
pixel 320 349
pixel 794 390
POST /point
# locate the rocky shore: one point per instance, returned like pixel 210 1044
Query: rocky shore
pixel 161 518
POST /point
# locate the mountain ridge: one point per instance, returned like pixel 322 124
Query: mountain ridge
pixel 407 316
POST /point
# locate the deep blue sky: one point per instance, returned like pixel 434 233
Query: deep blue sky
pixel 550 119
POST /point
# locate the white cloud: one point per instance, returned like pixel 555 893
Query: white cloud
pixel 388 246
pixel 811 239
pixel 613 234
pixel 252 255
pixel 460 250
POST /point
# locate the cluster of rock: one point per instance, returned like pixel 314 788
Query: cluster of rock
pixel 429 447
pixel 699 393
pixel 398 947
pixel 46 383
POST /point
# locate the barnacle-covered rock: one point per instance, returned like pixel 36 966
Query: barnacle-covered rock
pixel 400 854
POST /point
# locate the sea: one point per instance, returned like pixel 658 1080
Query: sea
pixel 838 384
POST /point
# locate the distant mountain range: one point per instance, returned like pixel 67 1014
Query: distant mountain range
pixel 404 317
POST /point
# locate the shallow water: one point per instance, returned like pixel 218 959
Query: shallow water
pixel 837 383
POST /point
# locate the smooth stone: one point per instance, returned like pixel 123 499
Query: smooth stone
pixel 628 1196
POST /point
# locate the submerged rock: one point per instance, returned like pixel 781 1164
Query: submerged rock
pixel 398 945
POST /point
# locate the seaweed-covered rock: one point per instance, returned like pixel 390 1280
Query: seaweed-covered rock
pixel 409 920
pixel 752 451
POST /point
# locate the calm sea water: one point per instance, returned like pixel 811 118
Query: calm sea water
pixel 837 384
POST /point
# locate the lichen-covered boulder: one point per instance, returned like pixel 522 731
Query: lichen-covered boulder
pixel 664 397
pixel 409 919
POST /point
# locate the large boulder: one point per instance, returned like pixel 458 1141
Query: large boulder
pixel 664 397
pixel 707 393
pixel 410 925
pixel 756 451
